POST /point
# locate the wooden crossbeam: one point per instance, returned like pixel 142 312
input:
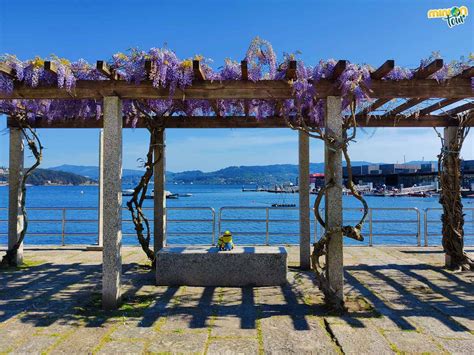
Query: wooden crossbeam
pixel 247 122
pixel 7 70
pixel 405 106
pixel 467 73
pixel 245 77
pixel 372 107
pixel 198 73
pixel 436 106
pixel 433 67
pixel 244 69
pixel 103 68
pixel 421 73
pixel 291 70
pixel 338 69
pixel 148 68
pixel 50 67
pixel 459 109
pixel 383 70
pixel 238 89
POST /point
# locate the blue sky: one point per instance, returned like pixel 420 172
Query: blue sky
pixel 369 31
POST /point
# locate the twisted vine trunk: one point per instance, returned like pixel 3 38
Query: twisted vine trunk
pixel 34 145
pixel 135 204
pixel 155 126
pixel 449 164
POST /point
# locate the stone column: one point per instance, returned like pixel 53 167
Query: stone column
pixel 159 199
pixel 15 174
pixel 112 212
pixel 333 198
pixel 100 237
pixel 303 185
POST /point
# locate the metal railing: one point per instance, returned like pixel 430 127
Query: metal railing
pixel 63 222
pixel 370 221
pixel 59 216
pixel 267 220
pixel 428 221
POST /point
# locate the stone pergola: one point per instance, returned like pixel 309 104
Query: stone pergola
pixel 112 91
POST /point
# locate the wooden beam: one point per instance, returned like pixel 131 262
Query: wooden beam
pixel 198 73
pixel 148 68
pixel 245 77
pixel 7 70
pixel 383 70
pixel 420 74
pixel 468 73
pixel 459 109
pixel 436 106
pixel 373 107
pixel 239 89
pixel 403 121
pixel 244 69
pixel 246 122
pixel 291 70
pixel 105 70
pixel 97 89
pixel 50 67
pixel 433 67
pixel 405 106
pixel 338 69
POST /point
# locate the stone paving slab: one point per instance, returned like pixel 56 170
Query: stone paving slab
pixel 233 346
pixel 398 299
pixel 297 335
pixel 360 340
pixel 412 342
pixel 179 343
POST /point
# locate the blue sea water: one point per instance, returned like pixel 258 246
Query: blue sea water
pixel 394 218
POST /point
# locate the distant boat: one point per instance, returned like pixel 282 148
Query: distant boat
pixel 185 195
pixel 419 194
pixel 168 194
pixel 283 205
pixel 128 192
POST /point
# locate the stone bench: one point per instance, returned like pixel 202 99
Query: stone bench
pixel 206 266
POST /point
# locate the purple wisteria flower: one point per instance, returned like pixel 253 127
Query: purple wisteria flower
pixel 168 71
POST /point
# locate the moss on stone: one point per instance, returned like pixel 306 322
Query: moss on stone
pixel 27 264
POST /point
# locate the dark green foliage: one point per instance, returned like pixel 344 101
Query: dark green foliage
pixel 46 176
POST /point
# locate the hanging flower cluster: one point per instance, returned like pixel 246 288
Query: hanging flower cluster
pixel 166 70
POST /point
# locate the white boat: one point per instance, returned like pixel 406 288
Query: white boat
pixel 168 194
pixel 127 192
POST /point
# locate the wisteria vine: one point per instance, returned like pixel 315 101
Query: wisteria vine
pixel 171 72
pixel 36 148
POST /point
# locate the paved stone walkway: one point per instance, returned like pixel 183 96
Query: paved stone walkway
pixel 399 299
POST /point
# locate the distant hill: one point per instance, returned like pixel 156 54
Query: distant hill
pixel 240 175
pixel 91 171
pixel 52 177
pixel 129 176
